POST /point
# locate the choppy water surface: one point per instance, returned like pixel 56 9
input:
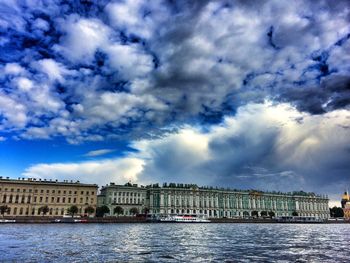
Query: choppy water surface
pixel 175 242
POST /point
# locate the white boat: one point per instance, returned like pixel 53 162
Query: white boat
pixel 184 219
pixel 7 221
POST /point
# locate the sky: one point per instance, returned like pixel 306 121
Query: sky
pixel 240 94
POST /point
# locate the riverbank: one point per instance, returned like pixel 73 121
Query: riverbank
pixel 125 219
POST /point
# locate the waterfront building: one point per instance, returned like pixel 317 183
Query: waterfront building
pixel 213 202
pixel 25 197
pixel 128 196
pixel 220 202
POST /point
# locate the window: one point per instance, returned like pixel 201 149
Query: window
pixel 21 211
pixel 15 211
pixel 64 192
pixel 87 192
pixel 18 190
pixel 81 200
pixel 68 199
pixel 52 199
pixel 47 191
pixel 47 199
pixel 82 192
pixel 92 193
pixel 30 190
pixel 24 190
pixel 42 191
pixel 34 199
pixel 12 189
pixel 75 192
pixel 23 199
pixel 36 190
pixel 53 191
pixel 28 199
pixel 10 200
pixel 63 199
pixel 70 192
pixel 41 199
pixel 59 191
pixel 74 200
pixel 58 200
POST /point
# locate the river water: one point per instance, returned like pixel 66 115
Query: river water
pixel 174 242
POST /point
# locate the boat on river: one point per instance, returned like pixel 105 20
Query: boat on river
pixel 184 219
pixel 7 221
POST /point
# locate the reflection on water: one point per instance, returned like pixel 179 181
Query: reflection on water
pixel 175 242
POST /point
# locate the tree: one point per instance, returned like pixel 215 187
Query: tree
pixel 102 210
pixel 271 213
pixel 4 209
pixel 118 210
pixel 295 213
pixel 134 211
pixel 263 213
pixel 72 210
pixel 336 212
pixel 89 210
pixel 44 210
pixel 255 214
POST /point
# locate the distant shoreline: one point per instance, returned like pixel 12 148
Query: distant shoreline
pixel 116 220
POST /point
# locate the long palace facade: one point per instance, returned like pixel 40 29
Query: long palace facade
pixel 220 202
pixel 213 202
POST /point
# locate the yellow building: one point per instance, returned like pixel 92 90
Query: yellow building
pixel 345 203
pixel 25 197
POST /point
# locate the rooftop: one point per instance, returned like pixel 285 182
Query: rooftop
pixel 22 180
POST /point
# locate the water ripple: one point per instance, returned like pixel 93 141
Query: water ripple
pixel 175 242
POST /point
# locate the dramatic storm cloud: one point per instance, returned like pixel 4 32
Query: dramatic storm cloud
pixel 239 93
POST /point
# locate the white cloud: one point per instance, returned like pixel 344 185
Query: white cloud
pixel 52 69
pixel 101 172
pixel 129 60
pixel 99 152
pixel 13 69
pixel 84 37
pixel 15 113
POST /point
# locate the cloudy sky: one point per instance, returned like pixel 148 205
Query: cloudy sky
pixel 245 94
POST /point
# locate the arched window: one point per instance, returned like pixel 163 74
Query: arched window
pixel 4 199
pixel 21 211
pixel 15 211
